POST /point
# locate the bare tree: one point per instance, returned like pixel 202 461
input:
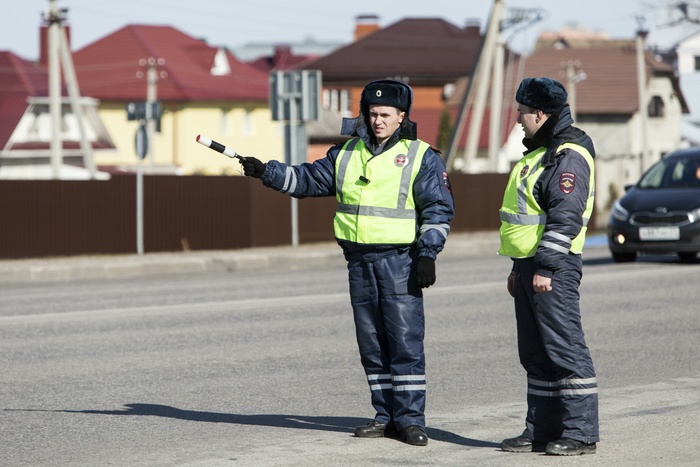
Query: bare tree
pixel 684 12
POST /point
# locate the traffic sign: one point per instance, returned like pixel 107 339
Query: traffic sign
pixel 295 95
pixel 144 110
pixel 141 141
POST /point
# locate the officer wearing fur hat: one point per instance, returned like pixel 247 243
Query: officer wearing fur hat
pixel 392 219
pixel 547 203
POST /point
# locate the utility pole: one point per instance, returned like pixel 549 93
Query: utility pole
pixel 54 18
pixel 574 75
pixel 147 114
pixel 59 51
pixel 495 139
pixel 482 83
pixel 641 86
pixel 488 70
pixel 152 75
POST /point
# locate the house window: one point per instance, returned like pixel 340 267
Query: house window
pixel 247 127
pixel 345 107
pixel 697 63
pixel 225 125
pixel 336 100
pixel 656 107
pixel 326 97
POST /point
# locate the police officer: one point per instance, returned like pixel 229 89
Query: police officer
pixel 547 203
pixel 394 207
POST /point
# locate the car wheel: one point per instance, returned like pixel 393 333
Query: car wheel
pixel 624 257
pixel 687 257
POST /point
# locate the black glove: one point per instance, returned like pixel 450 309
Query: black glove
pixel 511 283
pixel 252 167
pixel 425 272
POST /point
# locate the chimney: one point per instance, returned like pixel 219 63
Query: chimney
pixel 282 52
pixel 472 24
pixel 44 43
pixel 365 25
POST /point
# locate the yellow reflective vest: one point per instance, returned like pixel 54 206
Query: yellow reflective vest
pixel 375 193
pixel 522 219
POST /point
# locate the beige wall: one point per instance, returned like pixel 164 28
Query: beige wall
pixel 247 128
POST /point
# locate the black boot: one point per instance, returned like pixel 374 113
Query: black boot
pixel 521 444
pixel 569 447
pixel 414 435
pixel 373 429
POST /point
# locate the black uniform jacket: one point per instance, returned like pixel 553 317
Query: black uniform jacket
pixel 562 189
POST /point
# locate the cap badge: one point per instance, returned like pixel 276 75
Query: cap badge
pixel 379 93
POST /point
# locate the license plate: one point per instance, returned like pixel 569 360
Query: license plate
pixel 659 233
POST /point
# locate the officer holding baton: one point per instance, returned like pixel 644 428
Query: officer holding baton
pixel 394 208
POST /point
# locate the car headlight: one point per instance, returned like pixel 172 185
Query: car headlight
pixel 619 213
pixel 695 215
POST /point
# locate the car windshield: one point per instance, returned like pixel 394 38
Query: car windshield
pixel 677 172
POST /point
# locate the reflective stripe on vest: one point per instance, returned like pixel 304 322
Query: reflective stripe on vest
pixel 523 220
pixel 380 209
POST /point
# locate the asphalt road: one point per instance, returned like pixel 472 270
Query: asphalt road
pixel 260 368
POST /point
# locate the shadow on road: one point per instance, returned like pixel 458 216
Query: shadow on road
pixel 340 424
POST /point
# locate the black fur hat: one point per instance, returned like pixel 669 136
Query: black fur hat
pixel 387 92
pixel 544 94
pixel 382 92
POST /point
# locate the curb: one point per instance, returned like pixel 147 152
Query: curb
pixel 254 259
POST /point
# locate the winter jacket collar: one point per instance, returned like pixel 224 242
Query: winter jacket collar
pixel 358 126
pixel 556 131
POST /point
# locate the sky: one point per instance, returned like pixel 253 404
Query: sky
pixel 233 23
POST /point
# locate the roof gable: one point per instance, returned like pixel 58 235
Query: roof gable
pixel 114 67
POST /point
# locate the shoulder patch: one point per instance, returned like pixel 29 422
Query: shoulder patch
pixel 567 182
pixel 446 182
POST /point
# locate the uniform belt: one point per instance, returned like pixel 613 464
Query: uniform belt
pixel 368 253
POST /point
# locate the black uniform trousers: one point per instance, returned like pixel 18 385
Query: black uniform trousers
pixel 562 391
pixel 390 328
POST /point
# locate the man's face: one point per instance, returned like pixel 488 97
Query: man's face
pixel 530 119
pixel 384 121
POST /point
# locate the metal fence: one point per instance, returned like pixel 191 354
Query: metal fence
pixel 68 218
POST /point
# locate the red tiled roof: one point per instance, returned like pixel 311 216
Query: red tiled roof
pixel 20 79
pixel 22 76
pixel 107 69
